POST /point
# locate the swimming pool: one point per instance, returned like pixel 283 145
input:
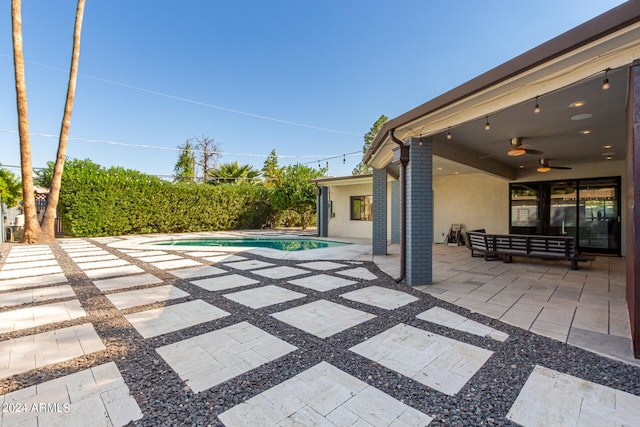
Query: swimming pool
pixel 279 243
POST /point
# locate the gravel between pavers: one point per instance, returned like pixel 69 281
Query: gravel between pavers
pixel 165 400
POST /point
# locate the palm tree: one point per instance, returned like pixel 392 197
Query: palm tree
pixel 34 233
pixel 233 173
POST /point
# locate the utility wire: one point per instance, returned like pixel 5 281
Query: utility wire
pixel 156 147
pixel 191 101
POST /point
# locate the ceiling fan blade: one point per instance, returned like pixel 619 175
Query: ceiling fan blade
pixel 560 167
pixel 532 151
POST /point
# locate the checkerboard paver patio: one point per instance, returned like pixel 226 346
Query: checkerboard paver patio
pixel 265 363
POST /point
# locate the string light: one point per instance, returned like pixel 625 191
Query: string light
pixel 487 126
pixel 605 82
pixel 536 110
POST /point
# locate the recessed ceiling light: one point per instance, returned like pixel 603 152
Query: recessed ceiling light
pixel 439 169
pixel 521 166
pixel 585 132
pixel 577 104
pixel 606 147
pixel 608 154
pixel 582 116
pixel 457 173
pixel 609 157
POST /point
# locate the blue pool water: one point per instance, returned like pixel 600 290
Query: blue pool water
pixel 283 244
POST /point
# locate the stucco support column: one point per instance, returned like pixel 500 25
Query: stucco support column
pixel 419 251
pixel 395 211
pixel 323 211
pixel 633 206
pixel 379 212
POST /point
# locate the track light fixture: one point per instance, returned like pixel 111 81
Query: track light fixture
pixel 536 110
pixel 605 82
pixel 487 126
pixel 449 133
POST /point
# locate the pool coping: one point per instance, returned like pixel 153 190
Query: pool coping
pixel 351 249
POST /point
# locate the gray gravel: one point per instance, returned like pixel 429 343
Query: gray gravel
pixel 165 400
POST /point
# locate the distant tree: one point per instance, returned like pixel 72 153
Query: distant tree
pixel 233 173
pixel 361 168
pixel 33 231
pixel 271 171
pixel 294 192
pixel 207 156
pixel 185 168
pixel 10 187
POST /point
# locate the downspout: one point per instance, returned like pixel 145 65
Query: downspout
pixel 404 160
pixel 318 192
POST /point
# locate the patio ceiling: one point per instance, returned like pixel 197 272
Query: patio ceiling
pixel 554 131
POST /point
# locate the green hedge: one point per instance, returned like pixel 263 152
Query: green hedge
pixel 95 201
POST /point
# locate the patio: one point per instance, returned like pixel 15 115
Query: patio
pixel 107 331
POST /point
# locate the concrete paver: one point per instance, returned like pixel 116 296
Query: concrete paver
pixel 128 299
pixel 321 282
pixel 389 299
pixel 436 361
pixel 323 395
pixel 79 399
pixel 264 296
pixel 222 283
pixel 35 295
pixel 455 321
pixel 323 318
pixel 106 285
pixel 31 317
pixel 215 357
pixel 171 318
pixel 36 351
pixel 551 398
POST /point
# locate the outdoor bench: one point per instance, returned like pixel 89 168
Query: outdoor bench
pixel 505 246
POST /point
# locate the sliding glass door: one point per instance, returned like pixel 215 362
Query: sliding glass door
pixel 587 209
pixel 600 215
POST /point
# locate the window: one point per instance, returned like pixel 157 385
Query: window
pixel 361 208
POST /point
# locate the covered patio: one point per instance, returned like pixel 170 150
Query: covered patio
pixel 585 308
pixel 546 143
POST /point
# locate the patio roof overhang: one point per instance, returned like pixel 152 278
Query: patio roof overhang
pixel 566 69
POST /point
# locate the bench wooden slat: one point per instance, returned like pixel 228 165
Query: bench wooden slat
pixel 504 246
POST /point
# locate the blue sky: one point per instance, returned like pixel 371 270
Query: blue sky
pixel 306 78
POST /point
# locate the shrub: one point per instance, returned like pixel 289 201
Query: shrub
pixel 95 201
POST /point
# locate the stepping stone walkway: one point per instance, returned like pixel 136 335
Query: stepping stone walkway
pixel 96 334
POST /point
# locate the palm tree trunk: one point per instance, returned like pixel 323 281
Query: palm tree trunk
pixel 48 222
pixel 32 229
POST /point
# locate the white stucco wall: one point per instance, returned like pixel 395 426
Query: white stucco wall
pixel 473 200
pixel 341 224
